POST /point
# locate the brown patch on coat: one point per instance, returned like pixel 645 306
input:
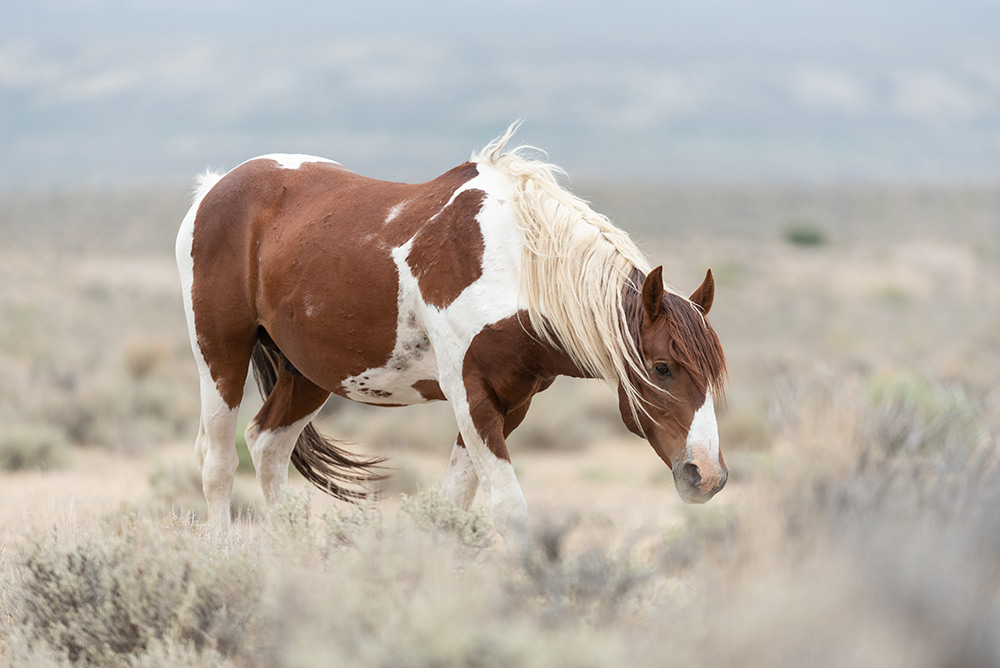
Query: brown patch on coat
pixel 430 390
pixel 442 273
pixel 306 254
pixel 505 366
pixel 221 296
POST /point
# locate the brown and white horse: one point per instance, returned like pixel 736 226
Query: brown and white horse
pixel 478 287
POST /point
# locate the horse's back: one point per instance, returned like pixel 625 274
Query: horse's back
pixel 314 253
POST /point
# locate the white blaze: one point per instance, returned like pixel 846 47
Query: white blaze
pixel 704 432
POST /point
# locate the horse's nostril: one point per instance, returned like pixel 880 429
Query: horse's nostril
pixel 691 474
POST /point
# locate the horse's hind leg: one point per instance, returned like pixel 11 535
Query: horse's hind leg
pixel 215 449
pixel 221 324
pixel 223 363
pixel 271 436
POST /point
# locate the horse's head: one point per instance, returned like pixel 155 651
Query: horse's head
pixel 684 363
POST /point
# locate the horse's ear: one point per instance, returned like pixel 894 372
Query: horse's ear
pixel 652 294
pixel 705 295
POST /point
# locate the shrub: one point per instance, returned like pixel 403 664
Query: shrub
pixel 101 597
pixel 843 551
pixel 345 525
pixel 32 446
pixel 431 510
pixel 804 233
pixel 404 596
pixel 910 413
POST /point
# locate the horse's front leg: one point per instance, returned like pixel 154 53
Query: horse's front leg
pixel 481 423
pixel 460 480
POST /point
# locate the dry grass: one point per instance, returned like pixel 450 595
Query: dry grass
pixel 844 551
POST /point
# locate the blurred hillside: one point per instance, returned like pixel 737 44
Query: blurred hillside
pixel 145 220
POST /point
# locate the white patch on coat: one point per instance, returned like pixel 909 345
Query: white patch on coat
pixel 395 211
pixel 271 450
pixel 423 331
pixel 450 331
pixel 308 306
pixel 412 359
pixel 185 263
pixel 703 436
pixel 294 160
pixel 492 298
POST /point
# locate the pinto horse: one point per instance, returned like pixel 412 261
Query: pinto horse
pixel 479 287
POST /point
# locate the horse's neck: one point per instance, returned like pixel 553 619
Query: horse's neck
pixel 557 362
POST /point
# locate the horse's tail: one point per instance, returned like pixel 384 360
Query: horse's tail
pixel 337 472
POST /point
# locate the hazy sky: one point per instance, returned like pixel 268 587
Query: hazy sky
pixel 138 91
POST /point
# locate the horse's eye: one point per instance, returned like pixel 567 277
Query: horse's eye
pixel 662 370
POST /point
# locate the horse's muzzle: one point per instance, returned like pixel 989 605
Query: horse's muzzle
pixel 697 486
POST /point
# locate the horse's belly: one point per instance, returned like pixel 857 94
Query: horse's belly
pixel 409 377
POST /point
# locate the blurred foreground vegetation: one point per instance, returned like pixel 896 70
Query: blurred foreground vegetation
pixel 847 551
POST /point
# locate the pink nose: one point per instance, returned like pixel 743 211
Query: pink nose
pixel 695 486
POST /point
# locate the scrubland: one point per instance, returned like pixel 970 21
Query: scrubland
pixel 860 527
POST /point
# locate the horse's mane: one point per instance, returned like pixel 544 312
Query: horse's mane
pixel 576 270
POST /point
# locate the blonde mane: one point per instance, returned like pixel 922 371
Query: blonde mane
pixel 575 267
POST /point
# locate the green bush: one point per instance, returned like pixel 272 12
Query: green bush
pixel 804 233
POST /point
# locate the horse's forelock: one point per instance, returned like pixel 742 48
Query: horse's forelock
pixel 696 344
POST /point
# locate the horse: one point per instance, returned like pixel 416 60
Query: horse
pixel 478 287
